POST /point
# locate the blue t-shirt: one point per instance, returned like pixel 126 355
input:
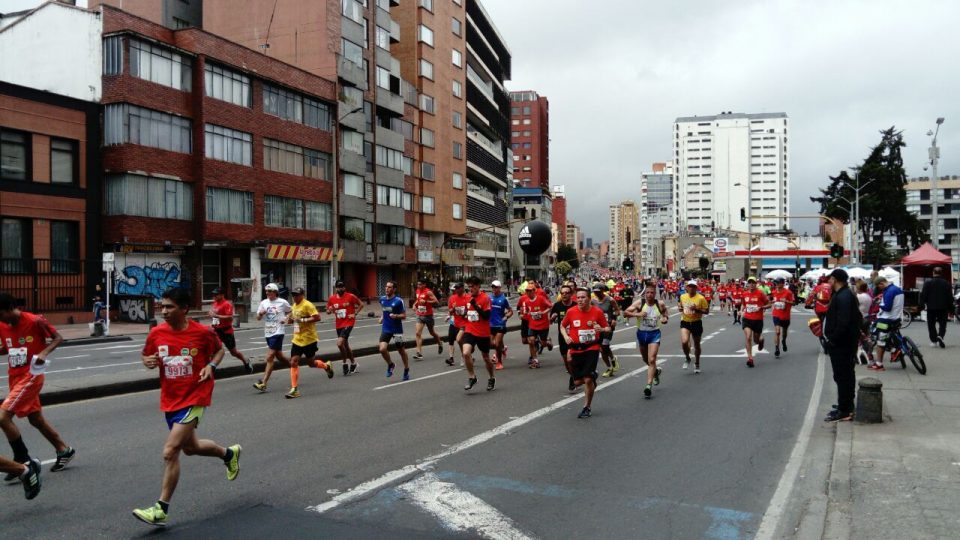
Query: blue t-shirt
pixel 498 308
pixel 392 305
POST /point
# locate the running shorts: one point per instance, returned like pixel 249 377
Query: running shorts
pixel 306 351
pixel 498 330
pixel 452 332
pixel 756 326
pixel 695 327
pixel 783 323
pixel 544 334
pixel 228 339
pixel 184 416
pixel 275 343
pixel 648 337
pixel 583 364
pixel 482 343
pixel 24 396
pixel 563 346
pixel 524 326
pixel 388 337
pixel 427 320
pixel 345 332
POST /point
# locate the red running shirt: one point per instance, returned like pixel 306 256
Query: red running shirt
pixel 182 356
pixel 344 309
pixel 23 341
pixel 527 307
pixel 782 302
pixel 224 308
pixel 584 327
pixel 753 303
pixel 475 324
pixel 457 305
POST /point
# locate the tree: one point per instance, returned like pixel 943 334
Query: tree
pixel 568 254
pixel 563 268
pixel 882 202
pixel 704 263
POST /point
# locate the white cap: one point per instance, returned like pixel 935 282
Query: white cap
pixel 692 283
pixel 271 287
pixel 496 283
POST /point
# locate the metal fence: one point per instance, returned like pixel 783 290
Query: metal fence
pixel 45 285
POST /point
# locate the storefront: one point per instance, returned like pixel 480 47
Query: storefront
pixel 291 266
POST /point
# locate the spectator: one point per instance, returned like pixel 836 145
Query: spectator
pixel 936 299
pixel 863 298
pixel 99 309
pixel 841 332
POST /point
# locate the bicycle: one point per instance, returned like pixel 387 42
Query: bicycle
pixel 901 346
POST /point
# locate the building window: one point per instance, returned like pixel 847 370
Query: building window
pixel 113 55
pixel 353 185
pixel 16 246
pixel 383 78
pixel 407 166
pixel 427 171
pixel 352 141
pixel 353 10
pixel 226 85
pixel 427 103
pixel 457 211
pixel 383 38
pixel 296 108
pixel 456 26
pixel 136 195
pixel 457 58
pixel 227 144
pixel 355 229
pixel 457 180
pixel 352 97
pixel 292 159
pixel 426 204
pixel 179 23
pixel 14 155
pixel 457 150
pixel 229 206
pixel 160 65
pixel 387 157
pixel 526 110
pixel 457 120
pixel 426 137
pixel 282 212
pixel 389 196
pixel 427 5
pixel 426 69
pixel 425 35
pixel 352 52
pixel 124 123
pixel 457 89
pixel 319 216
pixel 64 247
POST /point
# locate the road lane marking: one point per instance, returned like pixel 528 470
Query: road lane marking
pixel 442 373
pixel 773 515
pixel 459 511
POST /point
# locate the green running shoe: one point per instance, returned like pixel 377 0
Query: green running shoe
pixel 656 377
pixel 647 391
pixel 233 466
pixel 152 516
pixel 293 393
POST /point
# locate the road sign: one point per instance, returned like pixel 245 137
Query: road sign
pixel 108 262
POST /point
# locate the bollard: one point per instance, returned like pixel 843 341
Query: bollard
pixel 97 329
pixel 870 401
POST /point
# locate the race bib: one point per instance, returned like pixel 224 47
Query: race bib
pixel 535 315
pixel 648 323
pixel 459 310
pixel 688 309
pixel 17 357
pixel 473 316
pixel 422 310
pixel 587 336
pixel 177 366
pixel 752 308
pixel 779 306
pixel 271 328
pixel 296 327
pixel 215 321
pixel 341 313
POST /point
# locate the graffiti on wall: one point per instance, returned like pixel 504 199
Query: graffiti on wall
pixel 147 279
pixel 133 310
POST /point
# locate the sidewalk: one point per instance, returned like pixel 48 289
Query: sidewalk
pixel 901 478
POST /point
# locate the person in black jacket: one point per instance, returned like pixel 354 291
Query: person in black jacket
pixel 937 299
pixel 841 332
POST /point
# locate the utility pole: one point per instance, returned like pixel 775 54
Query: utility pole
pixel 934 153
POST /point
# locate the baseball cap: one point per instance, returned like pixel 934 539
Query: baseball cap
pixel 692 283
pixel 297 290
pixel 751 278
pixel 271 287
pixel 496 283
pixel 339 284
pixel 216 291
pixel 599 287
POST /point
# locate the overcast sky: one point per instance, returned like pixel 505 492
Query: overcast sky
pixel 617 74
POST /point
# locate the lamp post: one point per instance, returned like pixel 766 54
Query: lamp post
pixel 934 154
pixel 335 262
pixel 856 220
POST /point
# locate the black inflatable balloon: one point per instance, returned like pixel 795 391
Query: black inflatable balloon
pixel 535 237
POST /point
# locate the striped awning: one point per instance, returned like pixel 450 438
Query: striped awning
pixel 281 252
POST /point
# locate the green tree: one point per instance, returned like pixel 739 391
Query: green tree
pixel 563 268
pixel 882 202
pixel 704 263
pixel 568 254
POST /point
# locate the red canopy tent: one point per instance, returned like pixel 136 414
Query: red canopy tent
pixel 920 265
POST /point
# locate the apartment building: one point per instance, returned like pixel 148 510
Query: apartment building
pixel 657 214
pixel 624 233
pixel 560 211
pixel 530 139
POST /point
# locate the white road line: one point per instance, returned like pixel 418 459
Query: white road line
pixel 365 489
pixel 442 373
pixel 459 511
pixel 83 368
pixel 69 357
pixel 773 515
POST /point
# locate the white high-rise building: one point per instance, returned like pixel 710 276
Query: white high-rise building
pixel 613 255
pixel 657 214
pixel 728 162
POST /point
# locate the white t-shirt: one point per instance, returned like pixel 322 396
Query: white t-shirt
pixel 865 301
pixel 274 313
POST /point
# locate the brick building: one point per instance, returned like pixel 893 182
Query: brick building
pixel 530 139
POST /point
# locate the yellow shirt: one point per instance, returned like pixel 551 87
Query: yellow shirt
pixel 697 301
pixel 304 333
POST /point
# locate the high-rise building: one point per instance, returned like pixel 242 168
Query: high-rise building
pixel 918 203
pixel 560 211
pixel 574 238
pixel 657 214
pixel 624 232
pixel 728 162
pixel 530 139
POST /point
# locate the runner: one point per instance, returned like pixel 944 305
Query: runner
pixel 500 313
pixel 736 296
pixel 708 295
pixel 344 307
pixel 650 314
pixel 754 302
pixel 423 305
pixel 456 311
pixel 611 310
pixel 276 310
pixel 535 308
pixel 23 338
pixel 187 354
pixel 221 320
pixel 722 296
pixel 557 313
pixel 783 300
pixel 476 334
pixel 580 328
pixel 28 473
pixel 692 306
pixel 304 318
pixel 391 321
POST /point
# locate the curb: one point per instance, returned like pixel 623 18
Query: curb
pixel 94 340
pixel 839 518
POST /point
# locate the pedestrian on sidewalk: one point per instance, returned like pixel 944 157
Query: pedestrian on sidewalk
pixel 841 332
pixel 937 299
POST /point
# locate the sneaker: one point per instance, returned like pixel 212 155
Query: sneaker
pixel 784 345
pixel 749 362
pixel 439 347
pixel 31 479
pixel 152 516
pixel 248 367
pixel 837 416
pixel 530 361
pixel 417 356
pixel 406 374
pixel 776 352
pixel 449 361
pixel 608 373
pixel 647 391
pixel 585 413
pixel 499 366
pixel 616 364
pixel 490 384
pixel 572 387
pixel 879 367
pixel 535 365
pixel 390 370
pixel 942 344
pixel 260 386
pixel 353 368
pixel 63 458
pixel 934 344
pixel 549 346
pixel 506 349
pixel 760 344
pixel 233 466
pixel 346 369
pixel 696 370
pixel 686 364
pixel 329 370
pixel 293 393
pixel 656 377
pixel 470 382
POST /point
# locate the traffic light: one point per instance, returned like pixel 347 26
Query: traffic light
pixel 743 214
pixel 627 264
pixel 836 251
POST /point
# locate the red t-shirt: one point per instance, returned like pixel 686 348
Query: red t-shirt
pixel 782 303
pixel 422 306
pixel 23 341
pixel 527 307
pixel 821 297
pixel 182 356
pixel 577 323
pixel 224 308
pixel 476 325
pixel 457 305
pixel 736 293
pixel 753 303
pixel 344 309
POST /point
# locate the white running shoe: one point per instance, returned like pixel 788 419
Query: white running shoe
pixel 686 365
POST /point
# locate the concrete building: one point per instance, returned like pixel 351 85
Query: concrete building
pixel 919 202
pixel 624 233
pixel 529 204
pixel 530 139
pixel 731 161
pixel 574 238
pixel 657 214
pixel 560 211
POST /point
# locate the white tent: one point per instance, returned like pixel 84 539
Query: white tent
pixel 815 274
pixel 892 275
pixel 858 272
pixel 778 274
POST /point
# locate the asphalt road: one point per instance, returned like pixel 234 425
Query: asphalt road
pixel 364 456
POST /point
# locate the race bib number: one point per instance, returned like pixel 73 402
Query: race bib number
pixel 215 321
pixel 473 316
pixel 272 328
pixel 341 313
pixel 459 310
pixel 177 366
pixel 752 308
pixel 779 306
pixel 688 309
pixel 648 323
pixel 535 315
pixel 422 310
pixel 296 327
pixel 17 357
pixel 587 336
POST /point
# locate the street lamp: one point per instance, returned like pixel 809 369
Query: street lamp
pixel 934 154
pixel 855 209
pixel 335 262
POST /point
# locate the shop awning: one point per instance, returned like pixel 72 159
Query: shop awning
pixel 283 252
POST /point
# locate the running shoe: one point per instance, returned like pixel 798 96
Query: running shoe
pixel 490 384
pixel 353 368
pixel 656 377
pixel 608 373
pixel 837 416
pixel 346 369
pixel 941 343
pixel 439 347
pixel 406 374
pixel 535 364
pixel 152 516
pixel 572 386
pixel 63 458
pixel 549 346
pixel 470 382
pixel 647 391
pixel 506 348
pixel 31 479
pixel 585 413
pixel 530 361
pixel 784 344
pixel 616 364
pixel 499 365
pixel 233 466
pixel 760 344
pixel 417 356
pixel 776 352
pixel 260 386
pixel 686 364
pixel 449 361
pixel 293 393
pixel 248 367
pixel 390 369
pixel 326 367
pixel 696 370
pixel 877 367
pixel 749 362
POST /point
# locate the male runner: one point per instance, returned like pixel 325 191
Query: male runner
pixel 707 291
pixel 736 296
pixel 456 313
pixel 23 338
pixel 500 313
pixel 304 318
pixel 221 315
pixel 650 314
pixel 391 321
pixel 28 473
pixel 722 296
pixel 423 306
pixel 611 310
pixel 536 309
pixel 557 313
pixel 187 354
pixel 581 328
pixel 476 333
pixel 275 310
pixel 693 306
pixel 754 302
pixel 783 300
pixel 344 307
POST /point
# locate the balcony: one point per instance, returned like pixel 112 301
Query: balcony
pixel 389 177
pixel 394 32
pixel 353 250
pixel 351 73
pixel 352 162
pixel 354 121
pixel 390 215
pixel 351 30
pixel 390 254
pixel 389 138
pixel 486 88
pixel 494 148
pixel 390 101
